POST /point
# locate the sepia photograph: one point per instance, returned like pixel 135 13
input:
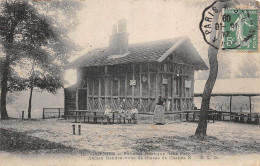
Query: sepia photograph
pixel 129 82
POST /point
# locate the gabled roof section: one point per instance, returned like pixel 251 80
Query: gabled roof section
pixel 155 51
pixel 188 54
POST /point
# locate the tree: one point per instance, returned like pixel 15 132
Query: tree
pixel 249 67
pixel 27 34
pixel 11 15
pixel 213 63
pixel 38 34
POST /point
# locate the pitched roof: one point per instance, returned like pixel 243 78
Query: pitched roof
pixel 155 51
pixel 230 87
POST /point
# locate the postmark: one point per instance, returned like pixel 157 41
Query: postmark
pixel 206 24
pixel 238 27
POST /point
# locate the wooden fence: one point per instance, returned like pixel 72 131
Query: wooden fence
pixel 236 107
pixel 52 113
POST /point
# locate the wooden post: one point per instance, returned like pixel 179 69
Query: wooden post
pixel 77 99
pixel 105 79
pixel 141 86
pixel 172 94
pixel 157 82
pixel 93 92
pixel 250 105
pixel 126 83
pixel 59 112
pixel 181 92
pixel 99 94
pixel 87 93
pixel 133 87
pixel 42 113
pixel 106 87
pixel 111 90
pixel 73 129
pixel 230 107
pixel 149 87
pixel 79 129
pixel 118 90
pixel 192 87
pixel 23 115
pixel 230 104
pixel 113 117
pixel 65 105
pixel 79 117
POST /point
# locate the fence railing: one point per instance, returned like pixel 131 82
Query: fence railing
pixel 52 113
pixel 237 107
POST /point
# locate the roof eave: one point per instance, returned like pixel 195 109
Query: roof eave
pixel 204 67
pixel 227 94
pixel 168 52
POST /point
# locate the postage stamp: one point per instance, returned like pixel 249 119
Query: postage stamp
pixel 240 30
pixel 237 24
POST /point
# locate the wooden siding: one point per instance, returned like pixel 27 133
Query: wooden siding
pixel 109 85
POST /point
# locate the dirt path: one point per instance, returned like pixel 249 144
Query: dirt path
pixel 224 137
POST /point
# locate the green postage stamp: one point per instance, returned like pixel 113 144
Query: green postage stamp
pixel 240 29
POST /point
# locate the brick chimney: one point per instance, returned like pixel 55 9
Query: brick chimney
pixel 118 41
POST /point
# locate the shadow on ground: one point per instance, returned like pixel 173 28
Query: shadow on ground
pixel 16 142
pixel 192 145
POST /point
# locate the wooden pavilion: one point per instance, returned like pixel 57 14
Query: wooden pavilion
pixel 248 87
pixel 138 73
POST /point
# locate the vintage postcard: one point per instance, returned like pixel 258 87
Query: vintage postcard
pixel 129 82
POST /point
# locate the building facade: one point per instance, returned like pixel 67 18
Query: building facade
pixel 138 73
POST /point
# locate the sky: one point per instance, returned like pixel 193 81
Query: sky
pixel 147 20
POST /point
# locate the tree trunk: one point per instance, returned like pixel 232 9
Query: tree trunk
pixel 201 130
pixel 213 62
pixel 31 91
pixel 4 87
pixel 4 82
pixel 30 103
